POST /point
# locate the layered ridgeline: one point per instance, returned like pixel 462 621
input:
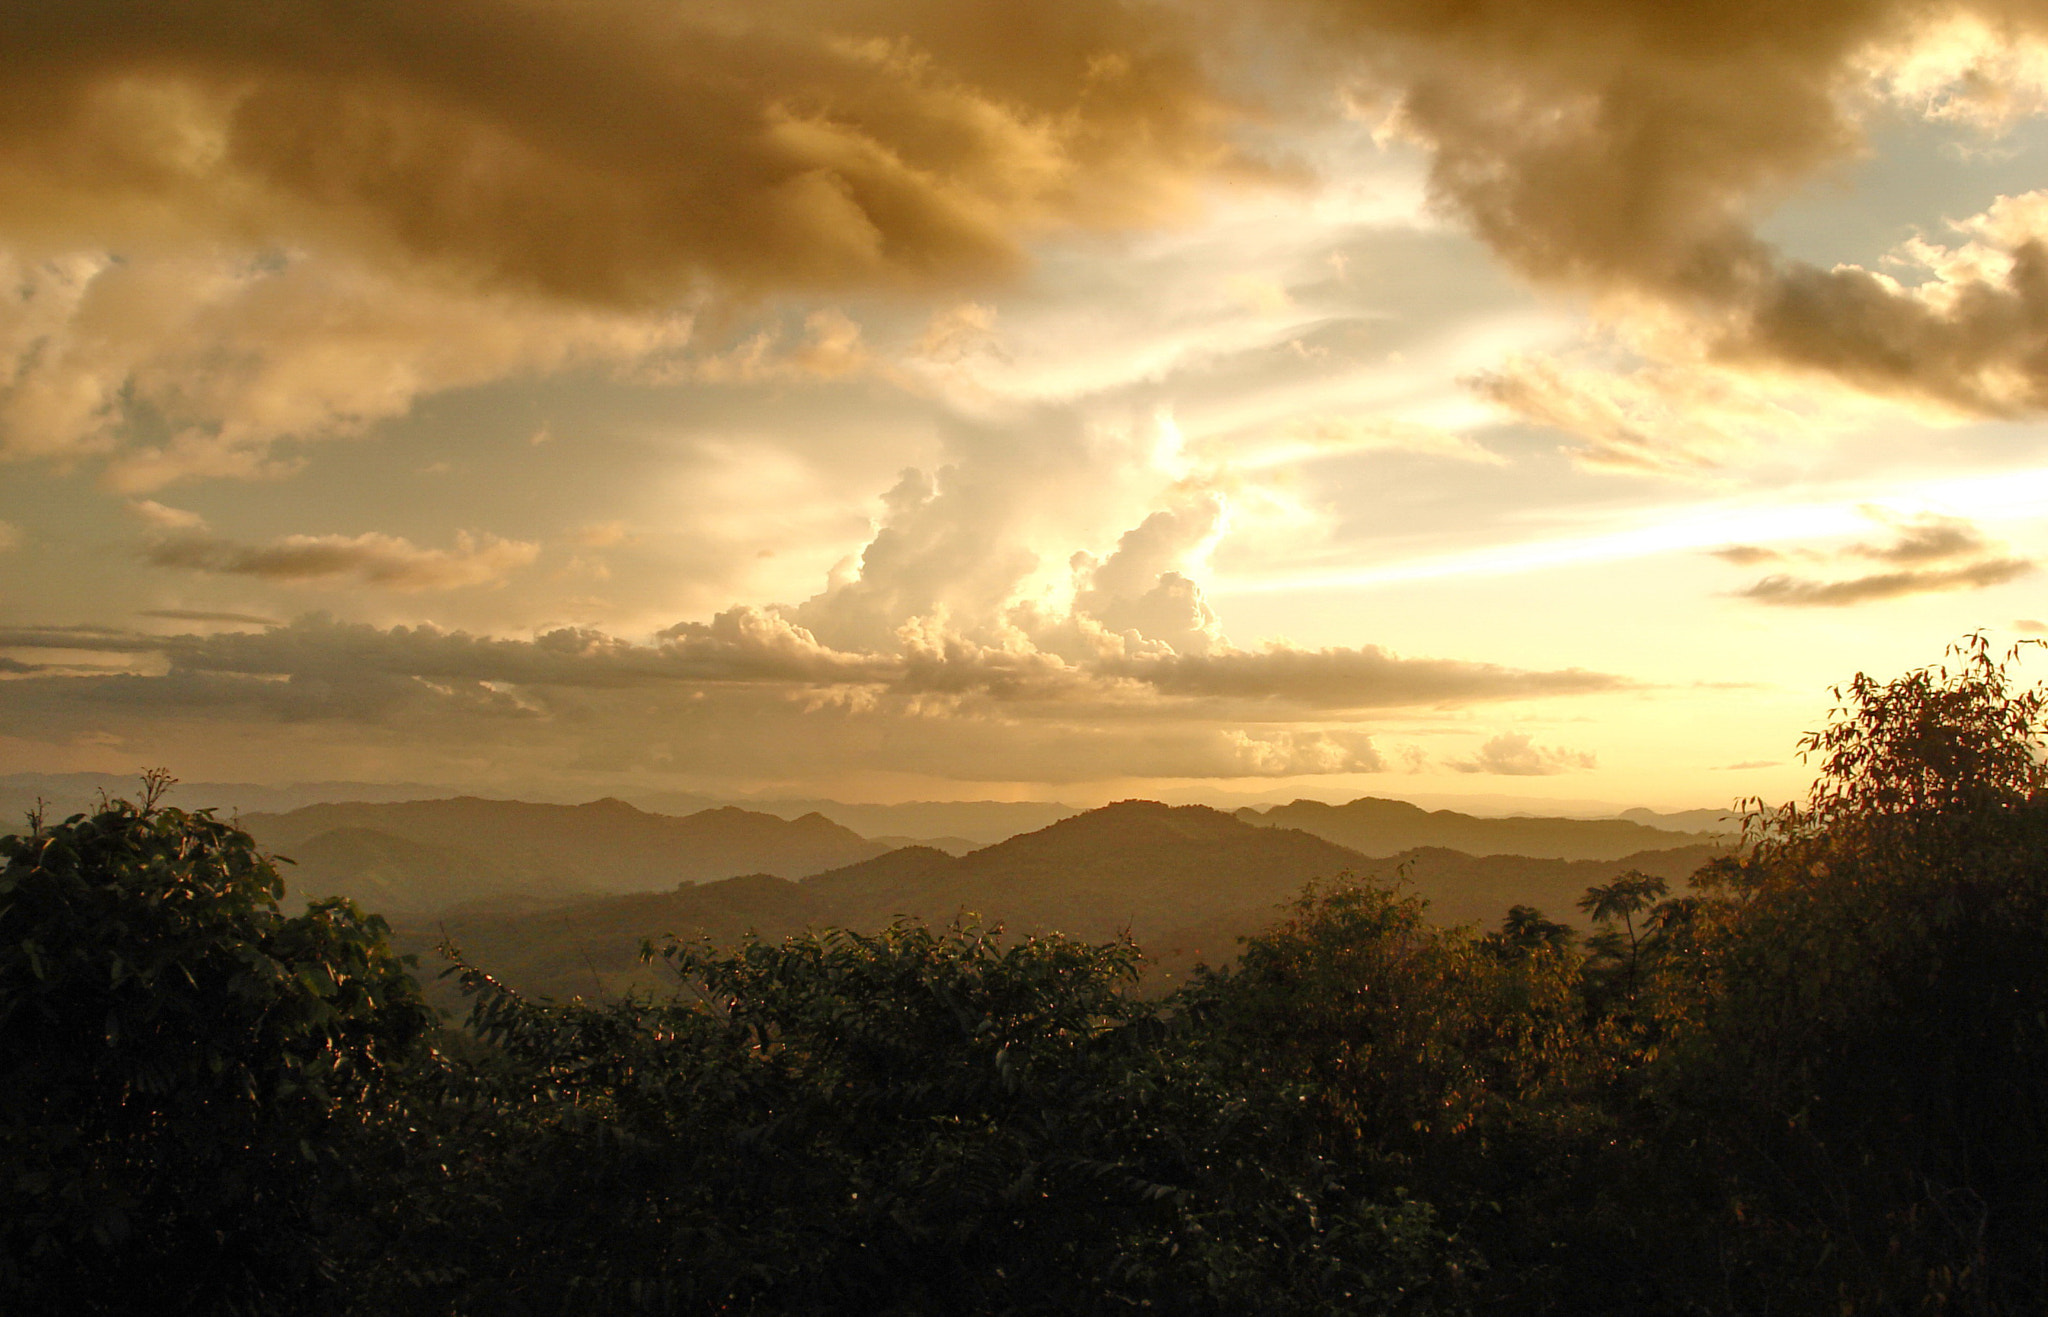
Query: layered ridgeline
pixel 1186 882
pixel 1373 826
pixel 420 856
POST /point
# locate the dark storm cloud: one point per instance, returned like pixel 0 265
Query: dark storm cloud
pixel 614 151
pixel 626 152
pixel 1627 147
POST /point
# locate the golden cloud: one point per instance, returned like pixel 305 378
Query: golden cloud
pixel 617 152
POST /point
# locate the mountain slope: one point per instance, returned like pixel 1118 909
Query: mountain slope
pixel 1136 864
pixel 389 874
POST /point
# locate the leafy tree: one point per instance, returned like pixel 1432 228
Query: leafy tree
pixel 1525 931
pixel 181 1063
pixel 1624 898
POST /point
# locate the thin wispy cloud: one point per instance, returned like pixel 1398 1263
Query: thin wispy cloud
pixel 385 561
pixel 1926 555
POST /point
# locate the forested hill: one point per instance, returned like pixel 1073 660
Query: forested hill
pixel 1378 827
pixel 1186 881
pixel 423 854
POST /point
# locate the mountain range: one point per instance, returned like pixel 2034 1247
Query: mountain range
pixel 1372 826
pixel 557 898
pixel 422 855
pixel 1186 881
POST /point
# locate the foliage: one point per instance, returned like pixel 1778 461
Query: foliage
pixel 1869 1035
pixel 1626 897
pixel 176 1056
pixel 923 1121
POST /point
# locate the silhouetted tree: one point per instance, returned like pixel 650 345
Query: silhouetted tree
pixel 179 1062
pixel 1624 898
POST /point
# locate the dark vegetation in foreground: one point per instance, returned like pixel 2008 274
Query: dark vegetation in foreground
pixel 1817 1082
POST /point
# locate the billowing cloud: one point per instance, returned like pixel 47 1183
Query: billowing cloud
pixel 1515 754
pixel 1140 592
pixel 263 224
pixel 387 561
pixel 1926 554
pixel 752 691
pixel 1293 754
pixel 617 152
pixel 218 358
pixel 1626 149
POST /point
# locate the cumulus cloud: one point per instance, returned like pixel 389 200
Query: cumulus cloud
pixel 1292 754
pixel 1626 149
pixel 387 561
pixel 1926 554
pixel 225 356
pixel 1140 591
pixel 752 690
pixel 1514 754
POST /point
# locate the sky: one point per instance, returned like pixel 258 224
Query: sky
pixel 1503 401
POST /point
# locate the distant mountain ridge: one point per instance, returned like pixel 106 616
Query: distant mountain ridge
pixel 1186 881
pixel 1718 821
pixel 982 822
pixel 1377 827
pixel 469 847
pixel 64 794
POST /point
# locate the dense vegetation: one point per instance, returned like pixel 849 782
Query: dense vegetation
pixel 1817 1082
